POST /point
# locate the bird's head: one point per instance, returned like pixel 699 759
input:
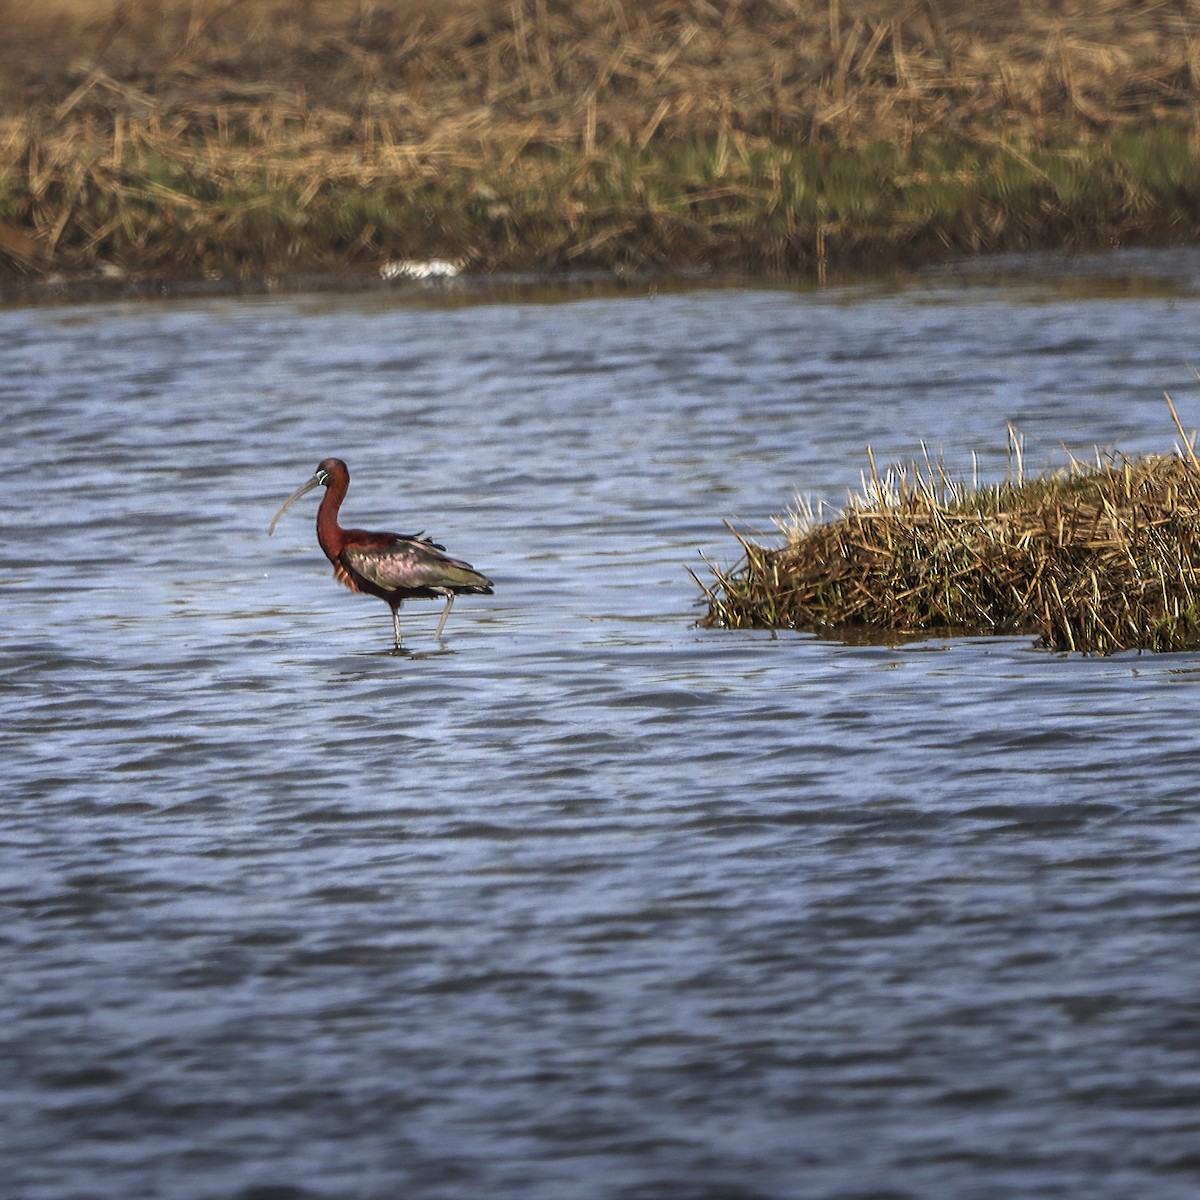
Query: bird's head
pixel 328 471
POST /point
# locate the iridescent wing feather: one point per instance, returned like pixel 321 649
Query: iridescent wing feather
pixel 404 564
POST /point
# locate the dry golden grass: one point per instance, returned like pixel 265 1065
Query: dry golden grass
pixel 226 135
pixel 1099 558
pixel 567 70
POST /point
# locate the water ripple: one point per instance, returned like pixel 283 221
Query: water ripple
pixel 590 902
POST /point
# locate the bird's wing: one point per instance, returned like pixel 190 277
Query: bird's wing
pixel 417 537
pixel 402 562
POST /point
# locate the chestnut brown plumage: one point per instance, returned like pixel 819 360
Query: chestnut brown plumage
pixel 393 566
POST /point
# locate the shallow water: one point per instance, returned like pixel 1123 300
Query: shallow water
pixel 587 902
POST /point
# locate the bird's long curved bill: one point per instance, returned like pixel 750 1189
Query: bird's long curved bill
pixel 315 481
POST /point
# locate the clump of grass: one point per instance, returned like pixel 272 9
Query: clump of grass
pixel 1098 558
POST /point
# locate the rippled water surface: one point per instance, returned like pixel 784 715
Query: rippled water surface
pixel 586 902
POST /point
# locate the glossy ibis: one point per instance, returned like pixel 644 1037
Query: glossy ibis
pixel 393 566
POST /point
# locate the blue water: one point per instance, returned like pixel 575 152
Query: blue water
pixel 585 902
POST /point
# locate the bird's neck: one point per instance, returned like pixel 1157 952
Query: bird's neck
pixel 329 532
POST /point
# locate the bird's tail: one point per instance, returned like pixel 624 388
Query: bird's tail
pixel 463 578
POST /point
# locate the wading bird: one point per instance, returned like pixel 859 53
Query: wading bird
pixel 392 566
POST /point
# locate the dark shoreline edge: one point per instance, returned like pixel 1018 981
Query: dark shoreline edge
pixel 1169 269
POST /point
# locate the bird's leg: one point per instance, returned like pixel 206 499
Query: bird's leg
pixel 437 637
pixel 396 624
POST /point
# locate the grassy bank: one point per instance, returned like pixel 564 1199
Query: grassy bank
pixel 204 138
pixel 1099 558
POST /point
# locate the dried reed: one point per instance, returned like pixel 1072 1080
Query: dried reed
pixel 204 136
pixel 1098 558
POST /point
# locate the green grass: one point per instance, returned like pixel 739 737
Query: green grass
pixel 722 202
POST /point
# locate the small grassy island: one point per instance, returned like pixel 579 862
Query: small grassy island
pixel 1098 558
